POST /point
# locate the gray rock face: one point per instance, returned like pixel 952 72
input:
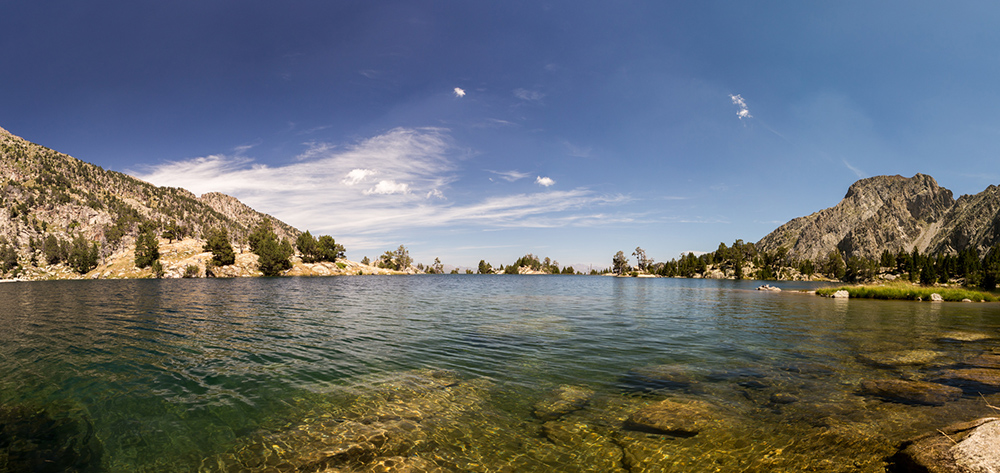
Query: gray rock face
pixel 892 213
pixel 877 213
pixel 970 447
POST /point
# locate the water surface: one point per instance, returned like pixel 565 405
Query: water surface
pixel 251 374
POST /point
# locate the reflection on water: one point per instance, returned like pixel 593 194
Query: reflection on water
pixel 478 373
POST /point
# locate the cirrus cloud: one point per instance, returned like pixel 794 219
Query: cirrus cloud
pixel 415 169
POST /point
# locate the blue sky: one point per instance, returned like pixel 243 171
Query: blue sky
pixel 486 130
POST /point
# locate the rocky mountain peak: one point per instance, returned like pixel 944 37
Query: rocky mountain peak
pixel 877 213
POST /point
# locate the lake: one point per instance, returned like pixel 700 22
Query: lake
pixel 470 373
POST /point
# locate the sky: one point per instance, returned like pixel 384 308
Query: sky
pixel 469 130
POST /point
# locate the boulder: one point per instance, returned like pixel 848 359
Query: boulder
pixel 969 447
pixel 935 297
pixel 910 392
pixel 841 294
pixel 682 419
pixel 562 401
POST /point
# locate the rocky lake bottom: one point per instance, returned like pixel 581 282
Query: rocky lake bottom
pixel 479 373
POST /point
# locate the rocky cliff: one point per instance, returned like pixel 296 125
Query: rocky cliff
pixel 43 193
pixel 892 213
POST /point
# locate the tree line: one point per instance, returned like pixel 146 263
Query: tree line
pixel 744 260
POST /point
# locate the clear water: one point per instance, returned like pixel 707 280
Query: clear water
pixel 447 371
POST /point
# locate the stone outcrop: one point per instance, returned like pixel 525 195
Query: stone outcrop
pixel 970 447
pixel 892 213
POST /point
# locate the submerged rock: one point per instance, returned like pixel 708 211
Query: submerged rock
pixel 659 377
pixel 34 439
pixel 972 380
pixel 969 447
pixel 562 401
pixel 960 336
pixel 985 360
pixel 597 452
pixel 682 419
pixel 910 392
pixel 900 357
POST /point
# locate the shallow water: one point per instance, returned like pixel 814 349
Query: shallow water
pixel 448 372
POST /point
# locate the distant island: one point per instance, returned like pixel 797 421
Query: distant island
pixel 63 218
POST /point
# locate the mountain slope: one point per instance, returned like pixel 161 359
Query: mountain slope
pixel 892 213
pixel 43 193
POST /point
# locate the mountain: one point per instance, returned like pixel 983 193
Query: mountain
pixel 892 213
pixel 45 193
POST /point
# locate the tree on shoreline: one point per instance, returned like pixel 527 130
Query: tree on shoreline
pixel 619 264
pixel 218 243
pixel 273 256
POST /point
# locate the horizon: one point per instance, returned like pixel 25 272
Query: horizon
pixel 475 132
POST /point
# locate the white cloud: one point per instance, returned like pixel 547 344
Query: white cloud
pixel 459 92
pixel 511 176
pixel 357 175
pixel 577 151
pixel 388 187
pixel 857 172
pixel 529 95
pixel 334 191
pixel 743 112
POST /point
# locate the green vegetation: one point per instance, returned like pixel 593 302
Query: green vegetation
pixel 217 241
pixel 485 268
pixel 315 251
pixel 191 271
pixel 273 256
pixel 530 261
pixel 398 260
pixel 147 246
pixel 906 291
pixel 83 257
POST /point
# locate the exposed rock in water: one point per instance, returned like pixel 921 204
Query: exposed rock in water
pixel 562 401
pixel 970 447
pixel 910 392
pixel 841 294
pixel 682 419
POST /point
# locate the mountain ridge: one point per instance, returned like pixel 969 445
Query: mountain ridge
pixel 44 192
pixel 893 213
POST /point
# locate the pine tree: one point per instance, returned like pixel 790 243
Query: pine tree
pixel 222 250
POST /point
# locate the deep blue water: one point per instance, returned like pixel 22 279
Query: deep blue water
pixel 167 373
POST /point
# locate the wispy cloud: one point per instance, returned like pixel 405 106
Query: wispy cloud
pixel 510 176
pixel 743 112
pixel 528 95
pixel 459 92
pixel 389 183
pixel 577 151
pixel 861 174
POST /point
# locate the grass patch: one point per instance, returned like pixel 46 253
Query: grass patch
pixel 909 292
